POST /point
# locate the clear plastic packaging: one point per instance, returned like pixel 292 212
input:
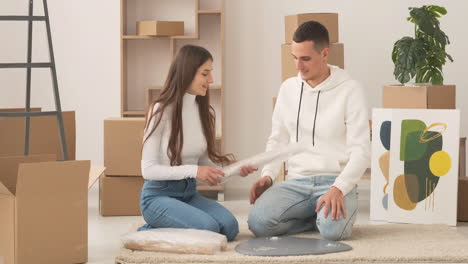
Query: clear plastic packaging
pixel 175 240
pixel 262 159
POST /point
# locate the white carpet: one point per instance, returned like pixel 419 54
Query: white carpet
pixel 371 243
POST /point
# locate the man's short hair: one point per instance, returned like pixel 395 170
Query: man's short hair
pixel 313 31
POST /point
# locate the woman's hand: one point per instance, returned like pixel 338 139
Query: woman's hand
pixel 209 175
pixel 246 170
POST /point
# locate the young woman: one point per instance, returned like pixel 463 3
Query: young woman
pixel 179 149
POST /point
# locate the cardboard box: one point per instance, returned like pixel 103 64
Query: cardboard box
pixel 44 135
pixel 44 209
pixel 288 67
pixel 462 158
pixel 462 211
pixel 160 28
pixel 120 196
pixel 329 20
pixel 422 97
pixel 123 138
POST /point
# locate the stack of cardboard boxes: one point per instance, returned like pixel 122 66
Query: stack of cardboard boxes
pixel 292 22
pixel 120 187
pixel 432 97
pixel 43 202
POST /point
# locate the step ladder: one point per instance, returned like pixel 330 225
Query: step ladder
pixel 29 65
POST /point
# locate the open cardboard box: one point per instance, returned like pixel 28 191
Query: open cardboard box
pixel 43 202
pixel 44 209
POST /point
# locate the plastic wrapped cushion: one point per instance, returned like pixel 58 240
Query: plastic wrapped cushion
pixel 175 240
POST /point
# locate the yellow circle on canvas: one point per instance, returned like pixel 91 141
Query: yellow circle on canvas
pixel 440 163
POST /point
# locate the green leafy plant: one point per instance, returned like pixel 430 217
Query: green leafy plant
pixel 424 55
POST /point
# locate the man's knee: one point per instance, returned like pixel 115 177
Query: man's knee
pixel 329 232
pixel 335 229
pixel 265 219
pixel 260 226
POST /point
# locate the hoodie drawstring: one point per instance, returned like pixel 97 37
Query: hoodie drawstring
pixel 315 119
pixel 299 113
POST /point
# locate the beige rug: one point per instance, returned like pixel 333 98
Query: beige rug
pixel 371 243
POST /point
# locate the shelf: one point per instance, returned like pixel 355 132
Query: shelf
pixel 144 37
pixel 209 12
pixel 136 113
pixel 158 37
pixel 140 60
pixel 185 37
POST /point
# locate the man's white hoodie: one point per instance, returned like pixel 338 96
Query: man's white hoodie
pixel 331 119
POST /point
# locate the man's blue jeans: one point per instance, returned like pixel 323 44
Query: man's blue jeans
pixel 177 204
pixel 289 208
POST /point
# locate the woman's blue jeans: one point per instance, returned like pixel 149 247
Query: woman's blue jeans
pixel 177 204
pixel 289 208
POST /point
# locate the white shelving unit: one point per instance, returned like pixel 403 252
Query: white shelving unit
pixel 145 60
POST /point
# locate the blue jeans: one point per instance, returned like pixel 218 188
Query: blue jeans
pixel 177 204
pixel 289 208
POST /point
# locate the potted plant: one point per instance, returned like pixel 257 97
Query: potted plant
pixel 424 55
pixel 421 58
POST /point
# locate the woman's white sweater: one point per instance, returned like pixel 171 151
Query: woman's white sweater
pixel 155 162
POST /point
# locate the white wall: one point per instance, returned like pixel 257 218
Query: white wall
pixel 86 42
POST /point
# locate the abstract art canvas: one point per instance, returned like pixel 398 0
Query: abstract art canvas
pixel 422 165
pixel 381 129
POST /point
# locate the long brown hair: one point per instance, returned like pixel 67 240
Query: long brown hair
pixel 180 76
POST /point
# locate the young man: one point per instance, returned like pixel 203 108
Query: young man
pixel 324 109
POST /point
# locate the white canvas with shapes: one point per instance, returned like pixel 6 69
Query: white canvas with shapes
pixel 380 163
pixel 424 166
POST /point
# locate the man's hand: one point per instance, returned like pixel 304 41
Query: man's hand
pixel 246 170
pixel 334 199
pixel 260 187
pixel 209 175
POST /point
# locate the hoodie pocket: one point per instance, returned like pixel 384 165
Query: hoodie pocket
pixel 308 164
